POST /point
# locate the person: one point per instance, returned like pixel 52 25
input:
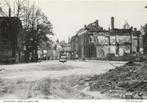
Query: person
pixel 77 56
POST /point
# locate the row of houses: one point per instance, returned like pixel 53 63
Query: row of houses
pixel 57 49
pixel 92 41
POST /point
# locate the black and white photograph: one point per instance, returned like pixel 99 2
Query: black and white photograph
pixel 73 50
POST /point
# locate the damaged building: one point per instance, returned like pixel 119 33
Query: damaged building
pixel 94 42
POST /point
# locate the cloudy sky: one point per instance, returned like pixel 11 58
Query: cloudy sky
pixel 69 16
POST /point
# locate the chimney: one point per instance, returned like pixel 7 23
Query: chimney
pixel 9 12
pixel 135 29
pixel 97 23
pixel 112 22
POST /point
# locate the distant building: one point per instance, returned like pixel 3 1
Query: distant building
pixel 56 50
pixel 82 43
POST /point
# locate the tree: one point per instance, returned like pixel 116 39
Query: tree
pixel 40 29
pixel 63 43
pixel 36 27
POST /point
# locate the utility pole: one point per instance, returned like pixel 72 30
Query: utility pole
pixel 131 39
pixel 144 40
pixel 9 12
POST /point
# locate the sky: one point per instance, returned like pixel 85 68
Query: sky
pixel 69 16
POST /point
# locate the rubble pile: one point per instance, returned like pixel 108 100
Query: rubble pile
pixel 122 81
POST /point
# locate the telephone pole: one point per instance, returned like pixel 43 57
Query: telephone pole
pixel 144 39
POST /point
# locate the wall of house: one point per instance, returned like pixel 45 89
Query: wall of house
pixel 8 40
pixel 98 43
pixel 86 49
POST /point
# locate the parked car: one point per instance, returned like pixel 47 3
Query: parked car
pixel 63 58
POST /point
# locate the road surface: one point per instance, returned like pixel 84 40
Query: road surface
pixel 17 79
pixel 54 69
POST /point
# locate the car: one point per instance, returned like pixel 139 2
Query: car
pixel 63 58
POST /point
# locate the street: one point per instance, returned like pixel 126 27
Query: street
pixel 54 69
pixel 23 76
pixel 71 49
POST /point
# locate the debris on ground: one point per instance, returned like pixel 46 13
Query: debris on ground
pixel 128 81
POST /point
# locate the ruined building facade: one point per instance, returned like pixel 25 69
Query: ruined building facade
pixel 94 42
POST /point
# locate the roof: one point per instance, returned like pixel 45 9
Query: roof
pixel 81 31
pixel 9 18
pixel 122 30
pixel 125 32
pixel 14 20
pixel 93 27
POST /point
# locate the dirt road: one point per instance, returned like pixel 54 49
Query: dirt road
pixel 49 79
